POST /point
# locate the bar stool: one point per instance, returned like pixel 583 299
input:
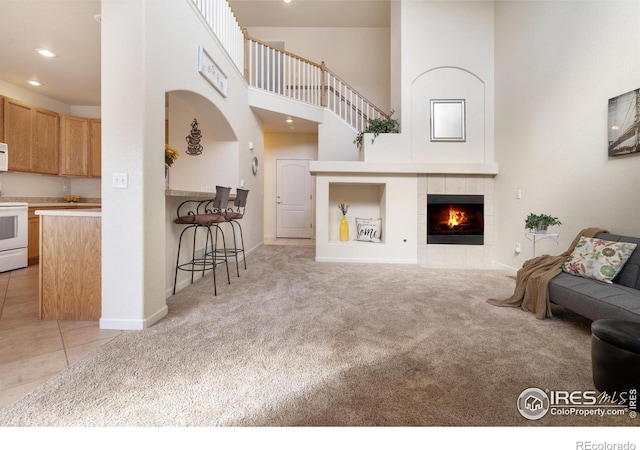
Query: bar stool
pixel 232 217
pixel 207 214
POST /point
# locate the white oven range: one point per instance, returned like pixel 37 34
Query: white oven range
pixel 13 235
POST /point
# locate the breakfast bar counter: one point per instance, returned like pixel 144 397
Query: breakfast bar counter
pixel 70 264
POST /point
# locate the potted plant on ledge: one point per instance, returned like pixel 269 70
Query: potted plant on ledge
pixel 538 223
pixel 383 124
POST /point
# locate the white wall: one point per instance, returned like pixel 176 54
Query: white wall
pixel 282 146
pixel 447 53
pixel 218 162
pixel 158 44
pixel 557 64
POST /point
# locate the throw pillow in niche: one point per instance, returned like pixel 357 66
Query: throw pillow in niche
pixel 369 230
pixel 598 259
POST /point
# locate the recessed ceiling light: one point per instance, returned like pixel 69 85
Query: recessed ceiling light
pixel 287 1
pixel 35 83
pixel 46 53
pixel 289 120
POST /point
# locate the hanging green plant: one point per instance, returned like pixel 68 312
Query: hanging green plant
pixel 383 124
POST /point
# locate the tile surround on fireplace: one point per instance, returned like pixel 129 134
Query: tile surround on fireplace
pixel 473 256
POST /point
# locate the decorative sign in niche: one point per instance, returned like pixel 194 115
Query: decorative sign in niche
pixel 212 72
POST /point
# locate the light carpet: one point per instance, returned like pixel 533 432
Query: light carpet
pixel 294 342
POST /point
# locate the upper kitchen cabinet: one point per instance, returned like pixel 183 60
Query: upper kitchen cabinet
pixel 95 148
pixel 74 146
pixel 1 119
pixel 44 154
pixel 80 146
pixel 32 136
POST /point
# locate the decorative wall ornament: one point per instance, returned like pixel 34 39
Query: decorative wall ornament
pixel 193 140
pixel 211 72
pixel 448 121
pixel 624 124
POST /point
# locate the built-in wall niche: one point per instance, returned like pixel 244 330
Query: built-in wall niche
pixel 365 200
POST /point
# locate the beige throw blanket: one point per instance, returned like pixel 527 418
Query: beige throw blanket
pixel 531 291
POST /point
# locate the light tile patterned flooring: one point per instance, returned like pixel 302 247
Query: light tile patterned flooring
pixel 31 350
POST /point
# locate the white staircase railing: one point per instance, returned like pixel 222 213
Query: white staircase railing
pixel 347 103
pixel 281 72
pixel 276 70
pixel 224 24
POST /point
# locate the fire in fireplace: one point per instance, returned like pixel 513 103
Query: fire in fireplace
pixel 455 219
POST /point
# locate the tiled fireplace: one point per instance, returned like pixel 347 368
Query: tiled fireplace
pixel 456 219
pixel 466 241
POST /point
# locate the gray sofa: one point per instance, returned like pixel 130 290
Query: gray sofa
pixel 596 299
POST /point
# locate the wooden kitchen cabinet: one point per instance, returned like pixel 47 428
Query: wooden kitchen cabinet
pixel 32 134
pixel 18 122
pixel 70 265
pixel 2 119
pixel 33 224
pixel 95 148
pixel 44 151
pixel 74 146
pixel 33 237
pixel 80 146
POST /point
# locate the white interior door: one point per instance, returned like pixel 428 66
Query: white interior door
pixel 293 198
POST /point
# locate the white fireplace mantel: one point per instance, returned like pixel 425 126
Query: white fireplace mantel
pixel 363 167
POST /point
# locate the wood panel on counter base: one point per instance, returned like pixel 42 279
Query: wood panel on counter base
pixel 70 267
pixel 33 234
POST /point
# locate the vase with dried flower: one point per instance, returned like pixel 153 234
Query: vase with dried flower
pixel 170 156
pixel 344 224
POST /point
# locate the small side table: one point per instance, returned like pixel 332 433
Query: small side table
pixel 535 237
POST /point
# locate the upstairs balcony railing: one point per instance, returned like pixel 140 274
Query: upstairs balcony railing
pixel 224 24
pixel 281 72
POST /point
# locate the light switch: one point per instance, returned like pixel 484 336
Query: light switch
pixel 518 194
pixel 120 180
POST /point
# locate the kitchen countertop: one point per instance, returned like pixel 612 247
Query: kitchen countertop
pixel 193 194
pixel 94 212
pixel 50 201
pixel 75 205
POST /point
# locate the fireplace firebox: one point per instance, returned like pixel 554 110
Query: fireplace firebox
pixel 455 219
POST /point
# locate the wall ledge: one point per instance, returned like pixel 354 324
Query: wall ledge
pixel 362 167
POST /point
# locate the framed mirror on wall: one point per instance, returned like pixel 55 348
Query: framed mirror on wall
pixel 448 121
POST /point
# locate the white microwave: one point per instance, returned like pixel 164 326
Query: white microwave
pixel 4 157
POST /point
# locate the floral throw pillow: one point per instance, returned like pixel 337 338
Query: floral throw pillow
pixel 598 259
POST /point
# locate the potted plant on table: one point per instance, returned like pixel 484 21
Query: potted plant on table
pixel 538 223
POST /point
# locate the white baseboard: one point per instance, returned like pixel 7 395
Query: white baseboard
pixel 133 324
pixel 504 267
pixel 366 260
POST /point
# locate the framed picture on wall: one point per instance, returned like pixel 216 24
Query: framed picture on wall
pixel 624 123
pixel 448 121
